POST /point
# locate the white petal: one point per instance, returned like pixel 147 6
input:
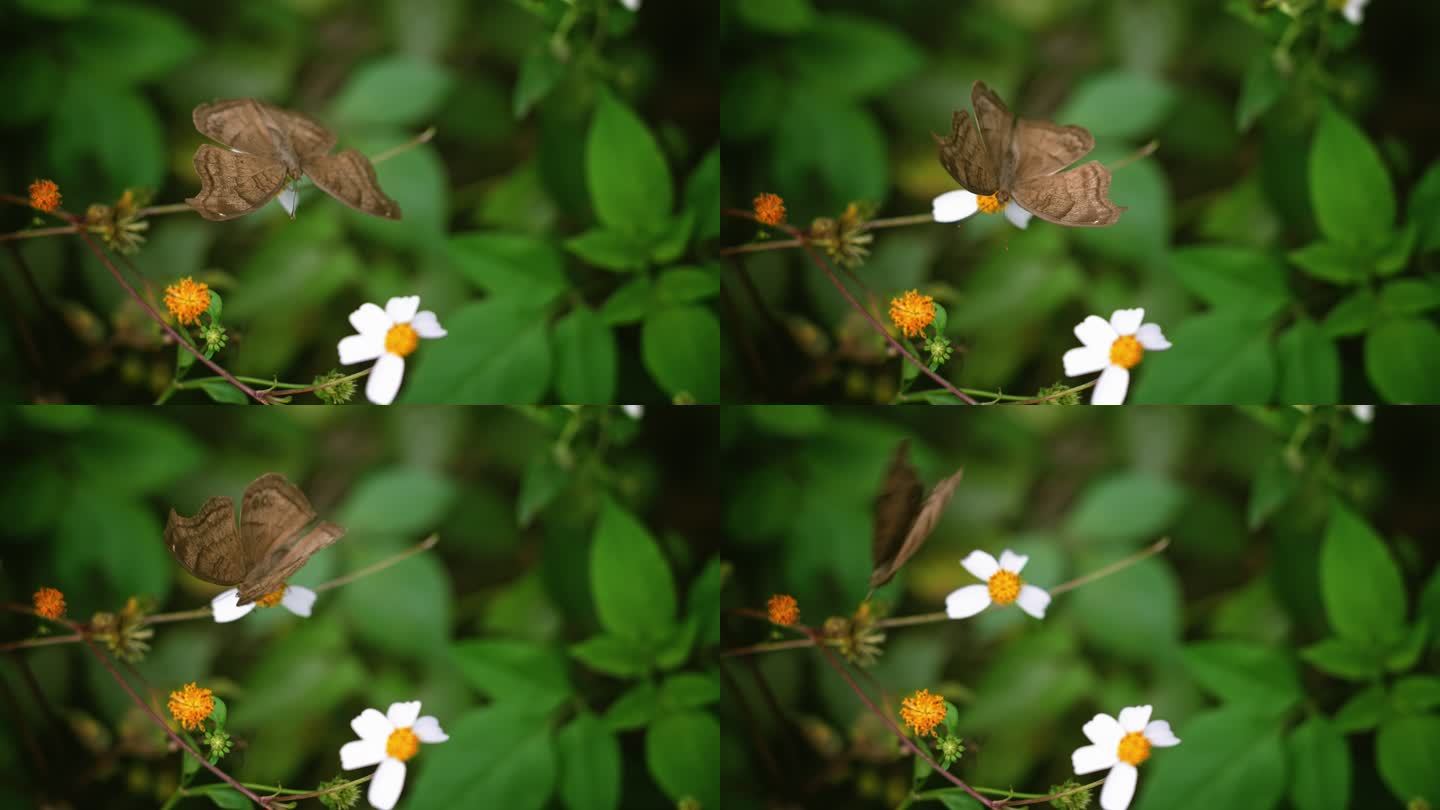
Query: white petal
pixel 953 206
pixel 1095 331
pixel 385 787
pixel 1033 600
pixel 1119 787
pixel 1111 387
pixel 385 377
pixel 1092 758
pixel 289 200
pixel 402 308
pixel 967 601
pixel 1086 360
pixel 636 411
pixel 1127 321
pixel 403 714
pixel 426 325
pixel 633 5
pixel 372 725
pixel 361 753
pixel 370 319
pixel 1152 338
pixel 227 608
pixel 1365 413
pixel 1134 718
pixel 428 730
pixel 981 564
pixel 1012 562
pixel 359 348
pixel 1354 10
pixel 1018 216
pixel 1159 734
pixel 298 600
pixel 1104 731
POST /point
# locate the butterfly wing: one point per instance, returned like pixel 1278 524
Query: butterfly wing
pixel 1046 148
pixel 240 123
pixel 963 155
pixel 284 559
pixel 207 544
pixel 1079 197
pixel 233 184
pixel 996 127
pixel 273 512
pixel 349 178
pixel 308 138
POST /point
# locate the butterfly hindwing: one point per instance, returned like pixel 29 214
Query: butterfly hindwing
pixel 963 155
pixel 1079 197
pixel 233 183
pixel 349 178
pixel 207 544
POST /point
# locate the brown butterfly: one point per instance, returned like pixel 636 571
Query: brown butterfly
pixel 1022 158
pixel 903 520
pixel 266 548
pixel 270 147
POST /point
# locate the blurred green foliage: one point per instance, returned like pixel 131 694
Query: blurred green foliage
pixel 1288 633
pixel 1284 233
pixel 561 223
pixel 560 631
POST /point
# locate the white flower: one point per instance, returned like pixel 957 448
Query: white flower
pixel 388 334
pixel 1354 10
pixel 633 411
pixel 227 608
pixel 389 739
pixel 1002 586
pixel 1365 413
pixel 633 5
pixel 1113 349
pixel 1120 745
pixel 953 206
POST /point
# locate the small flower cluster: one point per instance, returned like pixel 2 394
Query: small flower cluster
pixel 770 209
pixel 783 609
pixel 187 299
pixel 121 226
pixel 49 603
pixel 191 706
pixel 923 712
pixel 44 195
pixel 845 238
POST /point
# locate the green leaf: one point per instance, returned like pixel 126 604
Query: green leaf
pixel 1363 711
pixel 1410 296
pixel 702 196
pixel 1319 766
pixel 1309 366
pixel 685 285
pixel 512 672
pixel 519 755
pixel 127 43
pixel 1235 759
pixel 1119 103
pixel 1241 280
pixel 116 126
pixel 1330 262
pixel 1136 617
pixel 544 479
pixel 589 764
pixel 416 626
pixel 585 364
pixel 419 182
pixel 838 142
pixel 1416 694
pixel 633 587
pixel 689 690
pixel 846 56
pixel 1406 750
pixel 1402 360
pixel 1217 358
pixel 396 90
pixel 634 709
pixel 1345 658
pixel 514 366
pixel 101 551
pixel 625 170
pixel 1394 256
pixel 1424 209
pixel 220 714
pixel 1274 484
pixel 397 500
pixel 228 798
pixel 1258 676
pixel 671 242
pixel 619 249
pixel 680 347
pixel 777 16
pixel 1352 193
pixel 1125 508
pixel 539 74
pixel 614 655
pixel 130 453
pixel 1404 652
pixel 1360 584
pixel 1354 315
pixel 629 303
pixel 224 393
pixel 509 264
pixel 681 751
pixel 1259 90
pixel 676 649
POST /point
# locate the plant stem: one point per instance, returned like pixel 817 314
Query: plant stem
pixel 34 233
pixel 1119 565
pixel 770 646
pixel 424 545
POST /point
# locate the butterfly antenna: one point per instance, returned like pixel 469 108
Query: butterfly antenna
pixel 1139 154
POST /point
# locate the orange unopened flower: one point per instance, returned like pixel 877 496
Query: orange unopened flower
pixel 784 610
pixel 50 603
pixel 186 299
pixel 769 208
pixel 44 195
pixel 923 711
pixel 912 312
pixel 191 705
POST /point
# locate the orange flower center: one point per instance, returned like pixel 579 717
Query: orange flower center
pixel 191 704
pixel 989 204
pixel 271 599
pixel 923 711
pixel 50 603
pixel 1004 587
pixel 402 744
pixel 1134 748
pixel 186 299
pixel 912 312
pixel 401 339
pixel 1126 351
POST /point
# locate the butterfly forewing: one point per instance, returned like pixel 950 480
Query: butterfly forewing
pixel 273 511
pixel 963 155
pixel 207 544
pixel 1079 197
pixel 233 183
pixel 349 178
pixel 285 558
pixel 997 128
pixel 1046 148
